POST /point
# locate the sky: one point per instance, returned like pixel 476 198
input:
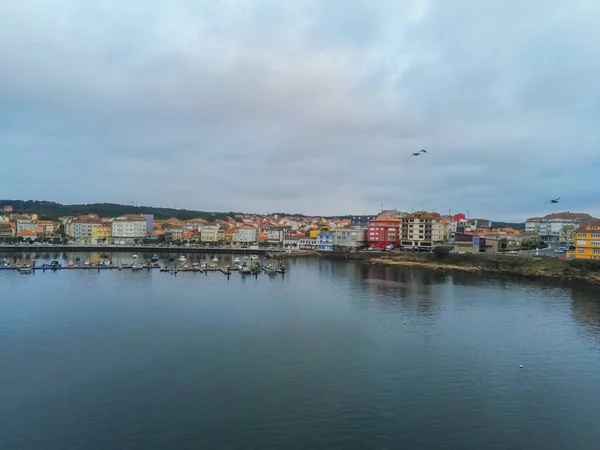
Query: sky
pixel 303 106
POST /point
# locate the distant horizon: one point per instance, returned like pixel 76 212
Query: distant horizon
pixel 286 213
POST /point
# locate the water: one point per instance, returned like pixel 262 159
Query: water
pixel 333 356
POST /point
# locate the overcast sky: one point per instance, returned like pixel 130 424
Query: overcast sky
pixel 309 106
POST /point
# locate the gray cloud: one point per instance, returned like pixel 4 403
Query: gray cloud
pixel 308 106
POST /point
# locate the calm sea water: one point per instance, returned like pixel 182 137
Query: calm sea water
pixel 333 356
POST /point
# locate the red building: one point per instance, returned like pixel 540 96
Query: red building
pixel 383 232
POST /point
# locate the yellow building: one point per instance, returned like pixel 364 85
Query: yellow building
pixel 587 241
pixel 314 233
pixel 101 234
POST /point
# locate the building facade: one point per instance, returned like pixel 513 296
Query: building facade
pixel 532 225
pixel 101 235
pixel 209 234
pixel 471 243
pixel 81 227
pixel 587 241
pixel 325 241
pixel 560 227
pixel 382 233
pixel 278 233
pixel 6 231
pixel 45 228
pixel 127 229
pixel 26 225
pixel 247 235
pixel 348 238
pixel 422 230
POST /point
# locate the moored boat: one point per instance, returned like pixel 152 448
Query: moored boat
pixel 26 268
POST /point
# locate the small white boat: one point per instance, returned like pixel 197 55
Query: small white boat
pixel 26 268
pixel 182 258
pixel 135 257
pixel 136 267
pixel 215 260
pixel 236 260
pixel 254 257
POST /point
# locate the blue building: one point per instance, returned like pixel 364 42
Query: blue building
pixel 325 241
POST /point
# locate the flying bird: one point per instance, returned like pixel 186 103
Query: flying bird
pixel 417 153
pixel 554 200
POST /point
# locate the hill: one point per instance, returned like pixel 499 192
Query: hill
pixel 52 210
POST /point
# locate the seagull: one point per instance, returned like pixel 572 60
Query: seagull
pixel 417 153
pixel 554 200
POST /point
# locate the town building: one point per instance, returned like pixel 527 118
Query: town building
pixel 422 229
pixel 292 242
pixel 101 235
pixel 587 241
pixel 391 214
pixel 128 229
pixel 349 238
pixel 80 228
pixel 247 235
pixel 361 221
pixel 472 243
pixel 308 243
pixel 480 223
pixel 382 233
pixel 26 225
pixel 209 233
pixel 6 231
pixel 45 228
pixel 561 227
pixel 7 209
pixel 149 222
pixel 278 233
pixel 532 225
pixel 325 241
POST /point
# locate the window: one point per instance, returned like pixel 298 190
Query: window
pixel 595 243
pixel 597 250
pixel 580 250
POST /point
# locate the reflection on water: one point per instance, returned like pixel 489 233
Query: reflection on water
pixel 334 355
pixel 117 258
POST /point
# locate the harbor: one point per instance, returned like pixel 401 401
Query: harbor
pixel 248 265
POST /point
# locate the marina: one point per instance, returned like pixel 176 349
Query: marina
pixel 248 265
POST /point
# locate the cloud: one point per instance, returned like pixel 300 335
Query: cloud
pixel 304 105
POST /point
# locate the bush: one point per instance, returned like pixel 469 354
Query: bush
pixel 440 251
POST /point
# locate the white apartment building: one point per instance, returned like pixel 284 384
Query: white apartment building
pixel 559 226
pixel 247 235
pixel 129 228
pixel 532 225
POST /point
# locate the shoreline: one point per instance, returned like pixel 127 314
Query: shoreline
pixel 587 271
